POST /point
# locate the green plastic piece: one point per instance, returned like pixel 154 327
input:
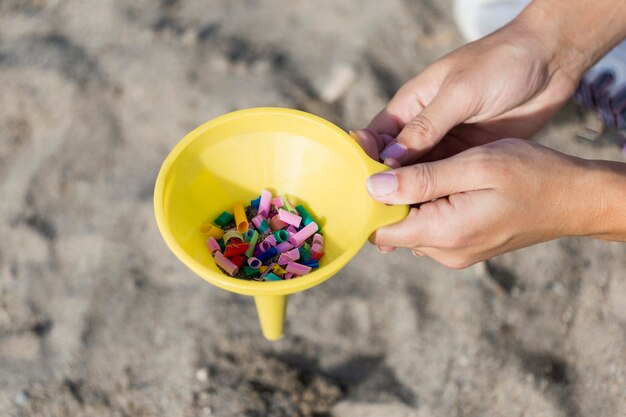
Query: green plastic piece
pixel 252 245
pixel 249 271
pixel 263 227
pixel 307 246
pixel 223 219
pixel 222 245
pixel 306 216
pixel 272 277
pixel 281 235
pixel 305 255
pixel 288 204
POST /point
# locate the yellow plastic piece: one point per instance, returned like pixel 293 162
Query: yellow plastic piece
pixel 278 270
pixel 209 229
pixel 240 218
pixel 231 234
pixel 288 206
pixel 288 152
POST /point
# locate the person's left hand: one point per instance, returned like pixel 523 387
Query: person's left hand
pixel 489 200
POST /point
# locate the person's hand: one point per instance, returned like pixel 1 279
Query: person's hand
pixel 499 197
pixel 507 84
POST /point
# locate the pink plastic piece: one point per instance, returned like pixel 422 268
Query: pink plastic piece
pixel 306 232
pixel 257 220
pixel 284 247
pixel 284 259
pixel 294 254
pixel 225 263
pixel 297 269
pixel 278 202
pixel 264 204
pixel 316 247
pixel 289 256
pixel 319 239
pixel 291 231
pixel 271 240
pixel 268 242
pixel 288 275
pixel 213 245
pixel 289 218
pixel 254 263
pixel 277 224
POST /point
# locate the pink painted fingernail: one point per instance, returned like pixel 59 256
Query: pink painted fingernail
pixel 395 151
pixel 382 184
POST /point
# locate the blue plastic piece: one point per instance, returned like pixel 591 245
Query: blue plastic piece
pixel 248 235
pixel 313 263
pixel 255 203
pixel 270 253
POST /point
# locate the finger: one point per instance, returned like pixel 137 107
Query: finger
pixel 427 181
pixel 386 122
pixel 367 141
pixel 409 233
pixel 385 249
pixel 429 126
pixel 380 143
pixel 392 163
pixel 408 101
pixel 387 139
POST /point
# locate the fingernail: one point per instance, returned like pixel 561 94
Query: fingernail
pixel 417 253
pixel 392 163
pixel 382 184
pixel 395 151
pixel 381 250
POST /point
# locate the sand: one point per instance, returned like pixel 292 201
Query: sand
pixel 97 318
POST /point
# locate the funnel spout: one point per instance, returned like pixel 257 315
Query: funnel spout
pixel 271 310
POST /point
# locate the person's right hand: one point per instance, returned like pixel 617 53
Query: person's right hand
pixel 499 197
pixel 507 84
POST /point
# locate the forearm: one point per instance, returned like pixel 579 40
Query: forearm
pixel 576 32
pixel 602 201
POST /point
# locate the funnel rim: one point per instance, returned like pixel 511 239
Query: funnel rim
pixel 247 287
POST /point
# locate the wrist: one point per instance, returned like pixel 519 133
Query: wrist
pixel 601 201
pixel 574 34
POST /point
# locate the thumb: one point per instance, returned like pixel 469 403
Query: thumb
pixel 420 183
pixel 428 127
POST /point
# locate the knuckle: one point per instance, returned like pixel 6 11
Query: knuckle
pixel 422 181
pixel 487 164
pixel 423 129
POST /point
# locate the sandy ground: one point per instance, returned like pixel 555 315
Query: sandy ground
pixel 97 318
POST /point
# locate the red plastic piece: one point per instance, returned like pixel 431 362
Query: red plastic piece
pixel 238 260
pixel 234 249
pixel 317 255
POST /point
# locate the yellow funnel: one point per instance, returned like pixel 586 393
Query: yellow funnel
pixel 233 157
